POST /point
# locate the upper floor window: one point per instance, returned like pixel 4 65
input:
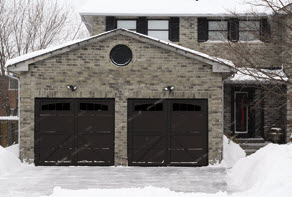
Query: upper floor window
pixel 127 24
pixel 218 30
pixel 233 30
pixel 13 85
pixel 249 30
pixel 158 29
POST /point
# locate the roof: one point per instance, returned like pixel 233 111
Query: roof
pixel 258 75
pixel 169 8
pixel 33 57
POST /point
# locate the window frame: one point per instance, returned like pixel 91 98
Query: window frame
pixel 258 31
pixel 157 30
pixel 136 20
pixel 235 118
pixel 227 30
pixel 9 85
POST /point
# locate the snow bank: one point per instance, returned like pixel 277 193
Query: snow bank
pixel 14 149
pixel 8 160
pixel 269 169
pixel 232 153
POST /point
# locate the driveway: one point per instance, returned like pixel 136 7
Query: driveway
pixel 33 181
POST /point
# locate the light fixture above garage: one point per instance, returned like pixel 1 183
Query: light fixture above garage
pixel 169 88
pixel 71 87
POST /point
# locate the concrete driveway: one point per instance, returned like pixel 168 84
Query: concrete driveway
pixel 34 181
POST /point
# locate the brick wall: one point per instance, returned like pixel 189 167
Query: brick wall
pixel 96 77
pixel 260 53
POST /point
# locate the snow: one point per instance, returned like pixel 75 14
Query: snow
pixel 9 161
pixel 9 118
pixel 49 50
pixel 252 74
pixel 39 53
pixel 169 7
pixel 232 153
pixel 266 173
pixel 14 149
pixel 268 170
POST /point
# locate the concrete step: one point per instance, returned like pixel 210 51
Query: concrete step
pixel 250 151
pixel 250 140
pixel 253 145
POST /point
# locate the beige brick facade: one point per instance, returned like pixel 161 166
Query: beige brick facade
pixel 151 69
pixel 267 54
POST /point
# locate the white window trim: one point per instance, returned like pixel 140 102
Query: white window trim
pixel 9 88
pixel 218 41
pixel 158 30
pixel 128 20
pixel 250 41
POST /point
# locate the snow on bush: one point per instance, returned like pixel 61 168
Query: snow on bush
pixel 8 160
pixel 232 152
pixel 268 169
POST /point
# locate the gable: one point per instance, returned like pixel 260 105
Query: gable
pixel 22 63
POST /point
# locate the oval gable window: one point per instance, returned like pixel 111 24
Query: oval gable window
pixel 121 55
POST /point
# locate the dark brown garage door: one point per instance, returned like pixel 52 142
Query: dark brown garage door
pixel 74 132
pixel 167 132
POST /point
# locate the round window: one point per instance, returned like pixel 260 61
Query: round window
pixel 121 55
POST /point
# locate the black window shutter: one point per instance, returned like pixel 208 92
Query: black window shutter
pixel 233 30
pixel 202 29
pixel 174 29
pixel 265 30
pixel 142 25
pixel 110 23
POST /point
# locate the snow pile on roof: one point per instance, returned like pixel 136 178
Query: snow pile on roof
pixel 169 7
pixel 39 53
pixel 268 170
pixel 252 74
pixel 232 153
pixel 52 49
pixel 8 159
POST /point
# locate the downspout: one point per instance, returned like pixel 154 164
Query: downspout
pixel 18 100
pixel 223 86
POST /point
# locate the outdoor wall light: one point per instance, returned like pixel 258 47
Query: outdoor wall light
pixel 71 87
pixel 169 88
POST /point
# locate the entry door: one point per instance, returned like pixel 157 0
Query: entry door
pixel 74 132
pixel 167 132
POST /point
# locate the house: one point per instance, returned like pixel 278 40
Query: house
pixel 8 107
pixel 153 86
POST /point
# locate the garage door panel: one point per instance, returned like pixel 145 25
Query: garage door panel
pixel 153 156
pixel 62 155
pixel 95 125
pixel 149 123
pixel 57 125
pixel 187 142
pixel 191 157
pixel 95 156
pixel 188 124
pixel 63 131
pixel 54 141
pixel 95 141
pixel 182 125
pixel 149 142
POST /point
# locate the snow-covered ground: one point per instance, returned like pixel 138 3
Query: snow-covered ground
pixel 267 173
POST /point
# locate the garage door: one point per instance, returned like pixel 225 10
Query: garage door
pixel 167 132
pixel 74 132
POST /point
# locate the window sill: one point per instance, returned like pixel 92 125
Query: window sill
pixel 243 42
